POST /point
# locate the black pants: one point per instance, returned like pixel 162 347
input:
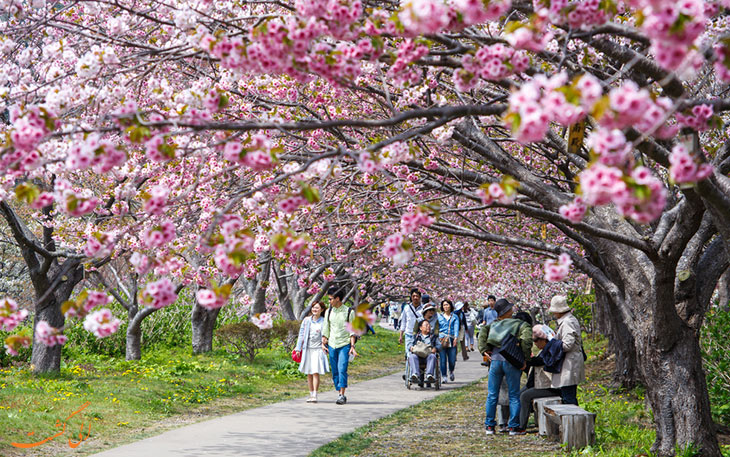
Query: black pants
pixel 526 397
pixel 569 394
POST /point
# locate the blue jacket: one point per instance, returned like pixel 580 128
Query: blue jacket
pixel 449 326
pixel 552 355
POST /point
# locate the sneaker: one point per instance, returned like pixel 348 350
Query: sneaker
pixel 311 400
pixel 430 378
pixel 451 377
pixel 504 429
pixel 489 430
pixel 517 432
pixel 414 378
pixel 341 400
pixel 444 380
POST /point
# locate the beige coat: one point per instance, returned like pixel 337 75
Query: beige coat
pixel 543 379
pixel 573 371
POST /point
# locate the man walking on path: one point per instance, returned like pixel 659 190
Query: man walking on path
pixel 339 341
pixel 411 315
pixel 487 314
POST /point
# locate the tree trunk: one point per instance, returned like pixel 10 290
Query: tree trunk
pixel 620 342
pixel 134 337
pixel 45 359
pixel 723 289
pixel 203 323
pixel 678 395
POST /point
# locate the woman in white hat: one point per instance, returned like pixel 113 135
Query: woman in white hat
pixel 573 371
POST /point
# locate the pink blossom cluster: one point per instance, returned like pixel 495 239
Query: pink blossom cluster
pixel 329 274
pixel 698 120
pixel 478 11
pixel 82 308
pixel 630 106
pixel 209 299
pixel 292 244
pixel 640 195
pixel 402 70
pixel 101 155
pixel 44 199
pixel 494 192
pixel 262 321
pixel 156 200
pixel 159 294
pixel 495 62
pixel 72 202
pixel 159 148
pixel 339 15
pixel 159 235
pixel 574 211
pixel 98 245
pixel 13 343
pixel 224 258
pixel 101 323
pixel 140 263
pixel 421 17
pixel 611 147
pixel 313 288
pixel 49 336
pixel 411 221
pixel 30 126
pixel 722 62
pixel 394 153
pixel 290 204
pixel 581 14
pixel 214 100
pixel 684 167
pixel 673 29
pixel 10 314
pixel 397 248
pixel 254 152
pixel 360 239
pixel 367 163
pixel 543 100
pixel 557 271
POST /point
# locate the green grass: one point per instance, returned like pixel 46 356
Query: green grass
pixel 167 388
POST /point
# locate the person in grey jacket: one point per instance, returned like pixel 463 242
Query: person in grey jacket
pixel 573 371
pixel 431 340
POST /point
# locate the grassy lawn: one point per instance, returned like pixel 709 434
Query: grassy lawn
pixel 128 401
pixel 453 424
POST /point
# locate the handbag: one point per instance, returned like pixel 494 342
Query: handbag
pixel 446 342
pixel 510 350
pixel 421 349
pixel 296 356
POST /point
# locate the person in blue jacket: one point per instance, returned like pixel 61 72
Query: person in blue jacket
pixel 449 336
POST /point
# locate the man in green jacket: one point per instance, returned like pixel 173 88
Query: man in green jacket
pixel 490 341
pixel 339 340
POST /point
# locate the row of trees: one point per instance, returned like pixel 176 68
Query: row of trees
pixel 451 144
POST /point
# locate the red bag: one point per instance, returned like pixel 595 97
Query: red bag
pixel 296 356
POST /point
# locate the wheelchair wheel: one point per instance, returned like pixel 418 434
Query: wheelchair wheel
pixel 437 384
pixel 408 375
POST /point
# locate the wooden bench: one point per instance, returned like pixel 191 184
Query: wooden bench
pixel 538 405
pixel 572 425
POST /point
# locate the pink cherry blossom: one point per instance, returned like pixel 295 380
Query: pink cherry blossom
pixel 558 271
pixel 574 211
pixel 101 323
pixel 10 314
pixel 684 168
pixel 159 294
pixel 262 321
pixel 49 336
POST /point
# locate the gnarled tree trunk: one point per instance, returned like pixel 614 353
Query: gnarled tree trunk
pixel 203 324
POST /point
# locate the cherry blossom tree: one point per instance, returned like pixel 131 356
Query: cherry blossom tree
pixel 589 133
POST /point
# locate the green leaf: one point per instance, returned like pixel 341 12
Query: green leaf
pixel 27 192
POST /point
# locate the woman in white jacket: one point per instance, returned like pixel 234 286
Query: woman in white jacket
pixel 309 345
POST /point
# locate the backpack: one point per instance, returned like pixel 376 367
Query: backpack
pixel 349 312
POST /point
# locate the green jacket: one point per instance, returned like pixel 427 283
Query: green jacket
pixel 490 336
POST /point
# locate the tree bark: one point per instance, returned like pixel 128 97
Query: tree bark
pixel 620 342
pixel 203 324
pixel 723 291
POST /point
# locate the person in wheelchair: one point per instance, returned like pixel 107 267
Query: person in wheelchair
pixel 425 346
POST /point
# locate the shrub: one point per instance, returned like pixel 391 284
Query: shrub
pixel 716 358
pixel 24 353
pixel 244 338
pixel 287 332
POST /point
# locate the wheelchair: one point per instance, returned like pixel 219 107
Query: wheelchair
pixel 421 383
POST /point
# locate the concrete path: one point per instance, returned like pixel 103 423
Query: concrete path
pixel 295 428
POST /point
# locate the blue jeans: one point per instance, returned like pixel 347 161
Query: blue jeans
pixel 497 370
pixel 449 353
pixel 339 359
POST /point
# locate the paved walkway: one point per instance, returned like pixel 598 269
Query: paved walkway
pixel 294 428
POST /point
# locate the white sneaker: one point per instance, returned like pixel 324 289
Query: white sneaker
pixel 451 377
